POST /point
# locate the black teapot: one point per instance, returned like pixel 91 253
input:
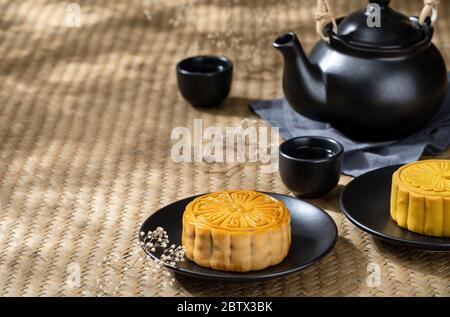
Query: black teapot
pixel 371 82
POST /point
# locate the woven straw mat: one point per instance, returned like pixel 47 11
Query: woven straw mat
pixel 88 100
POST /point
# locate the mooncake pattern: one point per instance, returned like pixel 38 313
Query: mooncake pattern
pixel 236 230
pixel 420 198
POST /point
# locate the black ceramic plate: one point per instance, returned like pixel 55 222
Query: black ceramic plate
pixel 314 234
pixel 366 202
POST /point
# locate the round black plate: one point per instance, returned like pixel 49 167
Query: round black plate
pixel 366 203
pixel 314 234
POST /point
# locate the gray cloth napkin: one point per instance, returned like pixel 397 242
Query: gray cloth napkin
pixel 360 158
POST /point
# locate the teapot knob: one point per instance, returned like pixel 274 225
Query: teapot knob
pixel 382 3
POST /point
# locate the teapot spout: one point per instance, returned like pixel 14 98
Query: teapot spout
pixel 304 83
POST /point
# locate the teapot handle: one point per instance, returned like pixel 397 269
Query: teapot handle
pixel 430 9
pixel 324 15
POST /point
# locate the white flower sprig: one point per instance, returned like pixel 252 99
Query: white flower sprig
pixel 137 262
pixel 171 254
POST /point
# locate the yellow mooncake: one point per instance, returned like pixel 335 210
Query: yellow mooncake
pixel 420 198
pixel 236 230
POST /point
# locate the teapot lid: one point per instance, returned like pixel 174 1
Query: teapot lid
pixel 392 30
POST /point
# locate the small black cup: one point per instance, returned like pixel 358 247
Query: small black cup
pixel 205 81
pixel 310 166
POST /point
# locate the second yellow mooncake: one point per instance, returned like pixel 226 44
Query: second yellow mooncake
pixel 236 230
pixel 420 197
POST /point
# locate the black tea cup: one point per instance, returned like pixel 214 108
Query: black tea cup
pixel 205 81
pixel 310 166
